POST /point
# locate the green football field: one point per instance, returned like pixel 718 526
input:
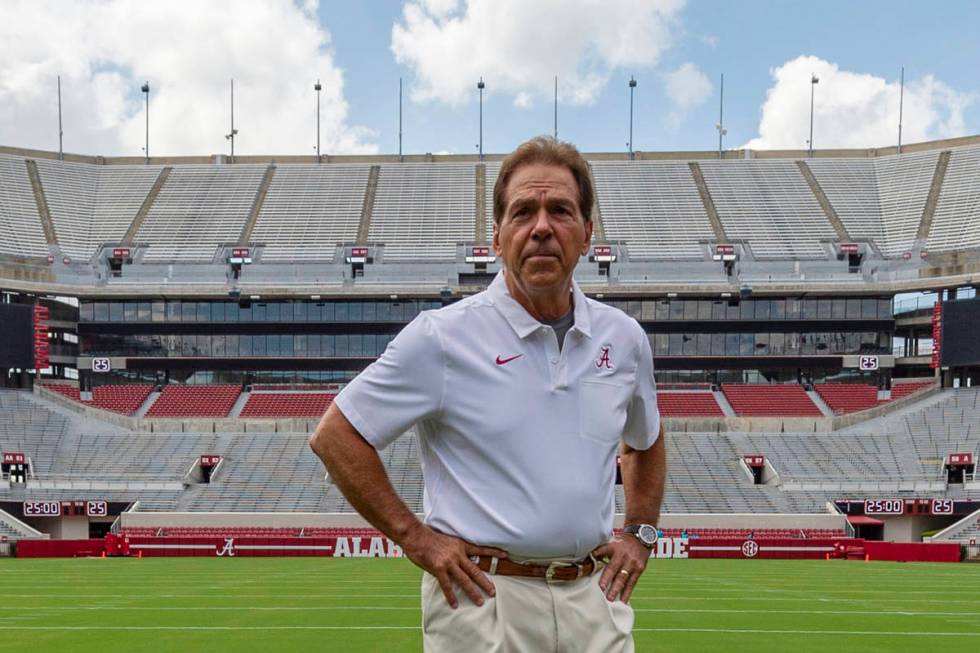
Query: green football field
pixel 358 604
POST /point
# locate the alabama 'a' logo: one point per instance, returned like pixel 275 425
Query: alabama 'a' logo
pixel 604 361
pixel 229 549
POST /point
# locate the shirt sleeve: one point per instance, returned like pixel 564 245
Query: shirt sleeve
pixel 643 416
pixel 402 387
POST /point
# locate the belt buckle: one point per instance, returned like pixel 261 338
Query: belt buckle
pixel 549 574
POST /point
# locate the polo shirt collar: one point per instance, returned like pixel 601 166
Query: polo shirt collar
pixel 522 322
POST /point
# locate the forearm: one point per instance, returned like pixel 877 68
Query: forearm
pixel 356 469
pixel 644 473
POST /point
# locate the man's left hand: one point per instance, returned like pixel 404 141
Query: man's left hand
pixel 626 560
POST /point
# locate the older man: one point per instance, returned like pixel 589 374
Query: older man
pixel 521 396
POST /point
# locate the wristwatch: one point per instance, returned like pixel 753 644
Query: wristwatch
pixel 645 533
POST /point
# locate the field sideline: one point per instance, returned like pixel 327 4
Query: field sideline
pixel 358 604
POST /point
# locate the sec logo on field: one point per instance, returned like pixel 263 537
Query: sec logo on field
pixel 749 549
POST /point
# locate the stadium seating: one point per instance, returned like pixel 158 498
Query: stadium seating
pixel 308 210
pixel 195 401
pixel 93 205
pixel 282 404
pixel 688 404
pixel 847 397
pixel 198 208
pixel 900 390
pixel 957 212
pixel 770 401
pixel 125 399
pixel 20 222
pixel 421 210
pixel 654 206
pixel 769 204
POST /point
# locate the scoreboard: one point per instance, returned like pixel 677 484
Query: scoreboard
pixel 897 506
pixel 65 509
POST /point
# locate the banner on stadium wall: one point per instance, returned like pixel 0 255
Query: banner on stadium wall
pixel 231 547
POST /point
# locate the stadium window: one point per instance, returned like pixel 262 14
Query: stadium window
pixel 746 344
pixel 286 345
pixel 370 311
pixel 675 344
pixel 634 308
pixel 355 311
pixel 86 312
pixel 259 311
pixel 341 312
pixel 885 309
pixel 677 309
pixel 838 309
pixel 824 309
pixel 272 348
pixel 733 310
pixel 648 310
pixel 717 344
pixel 704 344
pixel 869 308
pixel 218 345
pixel 761 344
pixel 130 311
pixel 341 345
pixel 853 308
pixel 188 311
pixel 794 308
pixel 299 345
pixel 143 312
pixel 763 309
pixel 690 309
pixel 659 344
pixel 316 312
pixel 301 311
pixel 244 345
pixel 313 344
pixel 172 312
pixel 776 344
pixel 718 310
pixel 662 310
pixel 273 312
pixel 777 309
pixel 731 344
pixel 328 346
pixel 115 311
pixel 810 309
pixel 704 309
pixel 259 345
pixel 689 344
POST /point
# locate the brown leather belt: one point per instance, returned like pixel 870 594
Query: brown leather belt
pixel 556 571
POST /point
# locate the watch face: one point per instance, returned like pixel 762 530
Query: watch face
pixel 647 534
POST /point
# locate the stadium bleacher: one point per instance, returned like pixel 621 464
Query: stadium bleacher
pixel 195 401
pixel 770 400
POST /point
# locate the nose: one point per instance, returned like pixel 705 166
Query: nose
pixel 542 229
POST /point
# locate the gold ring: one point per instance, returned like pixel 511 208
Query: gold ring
pixel 625 571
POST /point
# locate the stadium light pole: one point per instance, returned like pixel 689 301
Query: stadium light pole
pixel 61 153
pixel 632 86
pixel 901 101
pixel 721 115
pixel 814 80
pixel 480 85
pixel 145 88
pixel 234 132
pixel 317 88
pixel 556 107
pixel 399 118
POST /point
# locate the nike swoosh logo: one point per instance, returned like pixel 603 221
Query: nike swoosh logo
pixel 504 361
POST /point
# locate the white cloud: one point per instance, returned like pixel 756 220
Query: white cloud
pixel 854 109
pixel 518 46
pixel 709 40
pixel 687 87
pixel 188 51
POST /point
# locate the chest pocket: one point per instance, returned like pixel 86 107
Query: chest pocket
pixel 602 410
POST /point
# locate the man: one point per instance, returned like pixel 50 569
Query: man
pixel 521 396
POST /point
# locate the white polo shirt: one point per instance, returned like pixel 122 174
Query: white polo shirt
pixel 518 441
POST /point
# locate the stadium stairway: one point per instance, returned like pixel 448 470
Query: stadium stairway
pixel 236 409
pixel 145 408
pixel 820 403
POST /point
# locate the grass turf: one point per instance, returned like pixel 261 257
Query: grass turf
pixel 358 604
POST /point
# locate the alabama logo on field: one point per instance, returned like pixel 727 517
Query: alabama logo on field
pixel 604 361
pixel 749 549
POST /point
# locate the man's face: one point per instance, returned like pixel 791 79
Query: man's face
pixel 542 233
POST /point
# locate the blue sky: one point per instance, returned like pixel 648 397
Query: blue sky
pixel 275 50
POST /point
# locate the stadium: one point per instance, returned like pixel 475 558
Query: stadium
pixel 175 327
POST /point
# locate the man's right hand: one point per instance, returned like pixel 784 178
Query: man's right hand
pixel 447 558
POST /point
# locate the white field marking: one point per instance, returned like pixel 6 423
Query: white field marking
pixel 765 631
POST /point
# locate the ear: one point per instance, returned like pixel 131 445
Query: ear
pixel 588 238
pixel 496 239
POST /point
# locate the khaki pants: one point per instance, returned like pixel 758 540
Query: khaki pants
pixel 528 615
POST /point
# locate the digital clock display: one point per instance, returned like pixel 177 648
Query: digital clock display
pixel 42 509
pixel 884 507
